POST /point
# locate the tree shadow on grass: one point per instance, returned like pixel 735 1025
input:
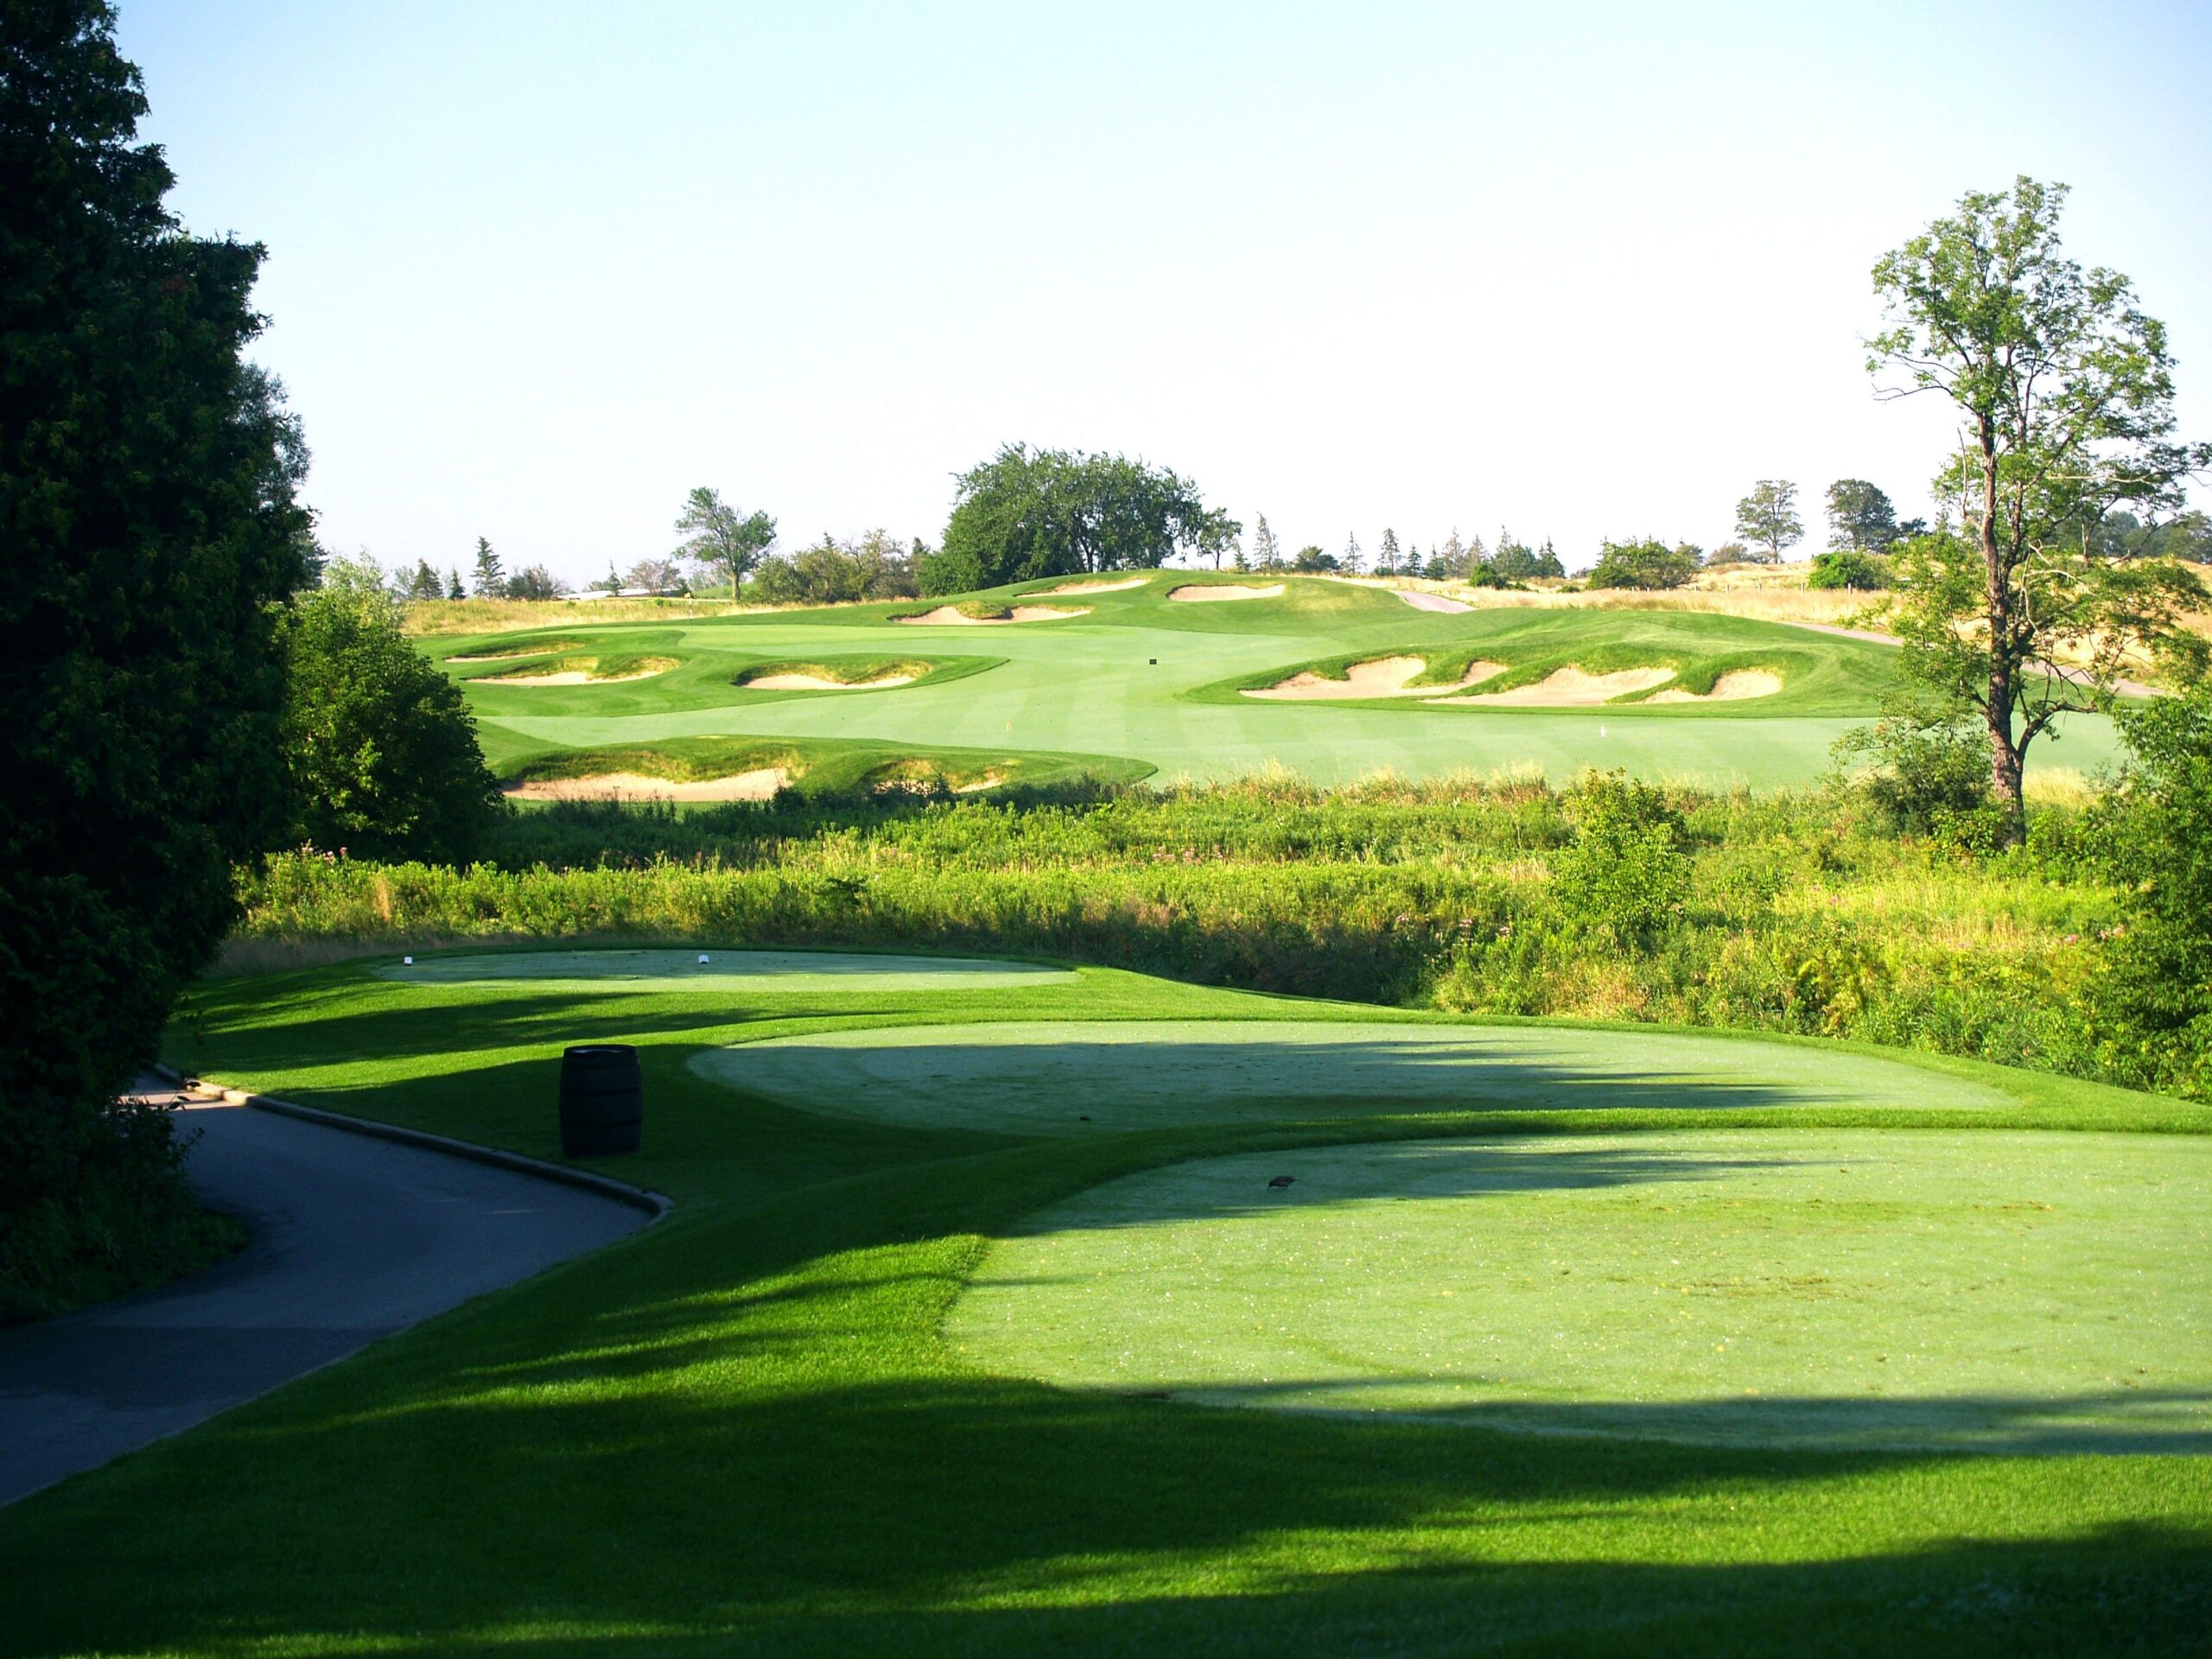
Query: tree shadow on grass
pixel 737 1432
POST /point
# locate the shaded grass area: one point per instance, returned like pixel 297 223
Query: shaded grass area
pixel 741 1431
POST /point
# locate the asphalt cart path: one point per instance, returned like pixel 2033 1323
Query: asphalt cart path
pixel 353 1238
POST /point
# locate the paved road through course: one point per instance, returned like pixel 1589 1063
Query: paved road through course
pixel 353 1239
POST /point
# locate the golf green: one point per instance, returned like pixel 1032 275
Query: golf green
pixel 791 973
pixel 1138 682
pixel 1856 1288
pixel 1088 1077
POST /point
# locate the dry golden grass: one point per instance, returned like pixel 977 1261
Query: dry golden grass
pixel 450 616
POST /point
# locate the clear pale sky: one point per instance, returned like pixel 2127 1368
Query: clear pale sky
pixel 536 269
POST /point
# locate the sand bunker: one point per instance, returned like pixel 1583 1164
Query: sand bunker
pixel 1121 586
pixel 1734 686
pixel 585 674
pixel 1569 688
pixel 542 649
pixel 1421 602
pixel 953 616
pixel 757 785
pixel 1387 676
pixel 748 972
pixel 817 682
pixel 1202 593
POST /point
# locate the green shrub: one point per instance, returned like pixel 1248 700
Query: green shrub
pixel 1920 773
pixel 1626 873
pixel 2154 1002
pixel 1864 573
pixel 381 746
pixel 1642 564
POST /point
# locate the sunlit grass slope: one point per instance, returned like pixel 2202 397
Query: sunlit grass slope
pixel 746 1430
pixel 1141 680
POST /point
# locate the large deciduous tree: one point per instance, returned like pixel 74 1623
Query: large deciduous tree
pixel 1645 564
pixel 1768 517
pixel 147 478
pixel 724 538
pixel 1028 513
pixel 2064 393
pixel 1861 517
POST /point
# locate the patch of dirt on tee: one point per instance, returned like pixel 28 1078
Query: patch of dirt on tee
pixel 1737 685
pixel 1569 688
pixel 1386 676
pixel 757 785
pixel 1205 592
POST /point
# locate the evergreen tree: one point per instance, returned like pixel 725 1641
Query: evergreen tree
pixel 453 589
pixel 147 471
pixel 1266 554
pixel 424 583
pixel 491 580
pixel 1352 560
pixel 1386 557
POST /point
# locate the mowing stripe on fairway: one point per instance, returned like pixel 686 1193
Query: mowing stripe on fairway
pixel 1085 1078
pixel 757 972
pixel 1982 1289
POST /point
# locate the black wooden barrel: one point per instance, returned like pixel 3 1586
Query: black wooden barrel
pixel 602 1100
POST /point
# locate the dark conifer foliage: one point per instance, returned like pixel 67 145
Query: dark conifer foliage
pixel 147 474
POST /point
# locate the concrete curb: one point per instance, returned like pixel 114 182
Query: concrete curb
pixel 654 1203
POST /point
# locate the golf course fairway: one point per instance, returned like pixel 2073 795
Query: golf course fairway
pixel 1844 1288
pixel 1139 683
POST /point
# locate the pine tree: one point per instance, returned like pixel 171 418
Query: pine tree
pixel 1386 560
pixel 1265 554
pixel 491 580
pixel 453 589
pixel 1351 555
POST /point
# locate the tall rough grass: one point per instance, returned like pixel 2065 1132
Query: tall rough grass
pixel 1802 914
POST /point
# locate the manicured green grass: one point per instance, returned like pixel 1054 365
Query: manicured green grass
pixel 1079 1078
pixel 745 1430
pixel 1143 683
pixel 1851 1287
pixel 748 973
